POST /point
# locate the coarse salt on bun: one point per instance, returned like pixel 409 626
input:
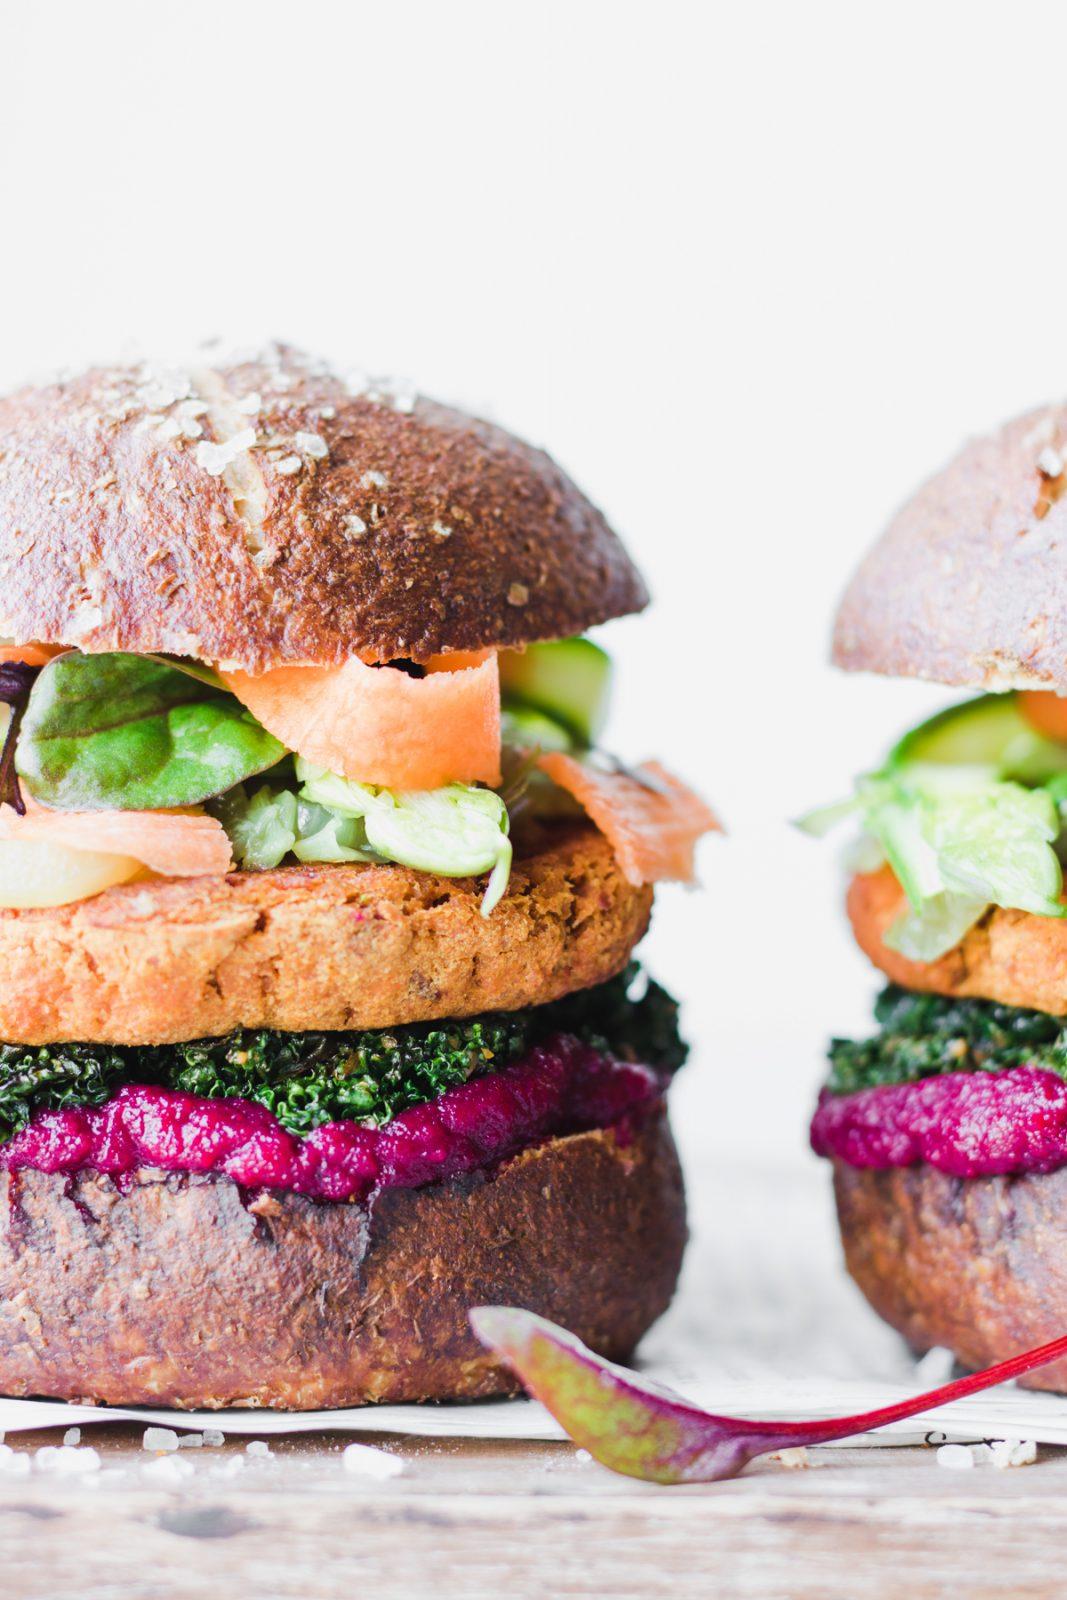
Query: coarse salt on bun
pixel 968 584
pixel 267 511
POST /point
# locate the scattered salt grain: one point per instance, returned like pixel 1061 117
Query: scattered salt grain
pixel 73 1436
pixel 956 1457
pixel 288 466
pixel 167 1469
pixel 159 1439
pixel 66 1461
pixel 313 445
pixel 366 1461
pixel 374 480
pixel 14 1463
pixel 354 527
pixel 1006 1453
pixel 796 1456
pixel 179 428
pixel 249 405
pixel 191 1441
pixel 583 1457
pixel 215 458
pixel 257 1448
pixel 214 1436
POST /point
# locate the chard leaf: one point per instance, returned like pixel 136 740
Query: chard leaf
pixel 131 733
pixel 645 1430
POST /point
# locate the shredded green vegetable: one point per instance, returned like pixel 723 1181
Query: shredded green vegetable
pixel 923 1035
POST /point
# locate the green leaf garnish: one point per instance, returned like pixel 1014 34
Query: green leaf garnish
pixel 130 733
pixel 966 811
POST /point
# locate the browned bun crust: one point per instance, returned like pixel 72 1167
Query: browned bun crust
pixel 318 947
pixel 182 1292
pixel 968 584
pixel 353 526
pixel 1014 957
pixel 976 1265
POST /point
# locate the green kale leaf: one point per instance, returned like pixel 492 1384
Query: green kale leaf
pixel 923 1035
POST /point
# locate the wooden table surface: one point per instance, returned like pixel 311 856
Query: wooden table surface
pixel 477 1520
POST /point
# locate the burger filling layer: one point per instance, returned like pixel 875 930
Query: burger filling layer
pixel 116 765
pixel 338 1115
pixel 969 1086
pixel 969 811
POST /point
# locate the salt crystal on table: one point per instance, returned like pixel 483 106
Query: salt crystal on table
pixel 159 1439
pixel 956 1457
pixel 213 1436
pixel 795 1456
pixel 66 1461
pixel 257 1447
pixel 73 1436
pixel 1012 1452
pixel 167 1469
pixel 369 1462
pixel 14 1463
pixel 191 1441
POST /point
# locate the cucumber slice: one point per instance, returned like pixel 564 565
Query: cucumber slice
pixel 532 730
pixel 567 679
pixel 989 735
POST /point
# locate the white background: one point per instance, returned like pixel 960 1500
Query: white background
pixel 749 271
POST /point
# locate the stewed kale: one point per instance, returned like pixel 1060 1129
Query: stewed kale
pixel 923 1035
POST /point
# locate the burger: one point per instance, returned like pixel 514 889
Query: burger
pixel 318 897
pixel 947 1128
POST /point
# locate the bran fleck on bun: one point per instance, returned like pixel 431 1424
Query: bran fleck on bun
pixel 975 1265
pixel 268 511
pixel 968 585
pixel 184 1292
pixel 318 947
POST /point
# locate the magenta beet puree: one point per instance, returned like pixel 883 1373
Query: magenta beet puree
pixel 560 1087
pixel 967 1124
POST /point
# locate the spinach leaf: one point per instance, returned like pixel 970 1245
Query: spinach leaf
pixel 129 733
